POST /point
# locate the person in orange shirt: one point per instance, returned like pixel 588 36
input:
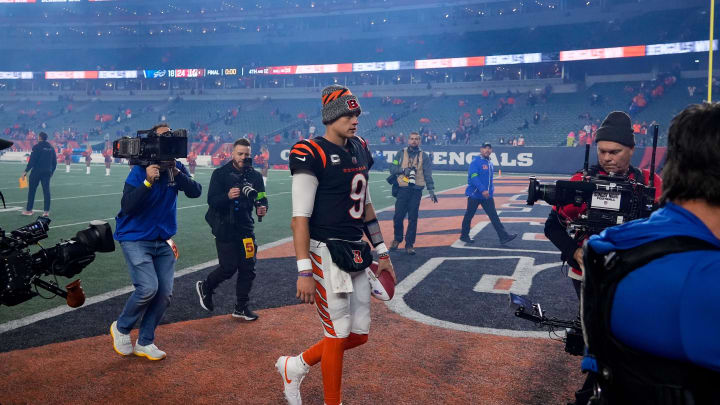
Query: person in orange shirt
pixel 67 153
pixel 192 163
pixel 107 154
pixel 266 163
pixel 88 159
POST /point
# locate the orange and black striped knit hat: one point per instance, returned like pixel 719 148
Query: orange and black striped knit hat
pixel 338 101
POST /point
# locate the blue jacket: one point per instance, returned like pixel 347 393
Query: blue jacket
pixel 42 158
pixel 151 213
pixel 480 178
pixel 669 307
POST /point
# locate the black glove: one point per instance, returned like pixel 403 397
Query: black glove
pixel 433 197
pixel 406 171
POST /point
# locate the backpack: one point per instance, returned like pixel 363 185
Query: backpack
pixel 623 374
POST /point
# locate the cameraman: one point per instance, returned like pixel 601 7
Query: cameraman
pixel 231 204
pixel 615 146
pixel 146 222
pixel 667 308
pixel 615 142
pixel 413 169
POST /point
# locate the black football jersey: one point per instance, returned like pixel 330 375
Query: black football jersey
pixel 342 174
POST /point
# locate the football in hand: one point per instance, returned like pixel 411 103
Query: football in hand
pixel 382 287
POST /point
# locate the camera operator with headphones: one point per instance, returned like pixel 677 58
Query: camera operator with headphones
pixel 235 189
pixel 146 222
pixel 650 288
pixel 413 169
pixel 615 146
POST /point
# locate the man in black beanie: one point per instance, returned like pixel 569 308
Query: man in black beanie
pixel 615 146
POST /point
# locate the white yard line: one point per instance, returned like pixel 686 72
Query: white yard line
pixel 19 323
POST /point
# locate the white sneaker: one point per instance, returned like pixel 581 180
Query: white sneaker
pixel 150 351
pixel 121 342
pixel 292 373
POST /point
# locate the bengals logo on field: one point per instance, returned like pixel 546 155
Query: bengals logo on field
pixel 352 104
pixel 357 258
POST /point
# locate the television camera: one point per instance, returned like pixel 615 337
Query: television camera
pixel 160 149
pixel 610 200
pixel 573 339
pixel 20 270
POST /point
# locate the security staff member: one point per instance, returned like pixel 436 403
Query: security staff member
pixel 480 191
pixel 231 221
pixel 413 169
pixel 43 162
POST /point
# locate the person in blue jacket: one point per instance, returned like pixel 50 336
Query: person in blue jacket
pixel 480 192
pixel 669 307
pixel 144 227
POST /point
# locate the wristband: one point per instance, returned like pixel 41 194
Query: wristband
pixel 147 183
pixel 304 265
pixel 381 248
pixel 304 274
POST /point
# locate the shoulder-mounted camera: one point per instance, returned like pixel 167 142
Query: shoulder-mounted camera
pixel 610 200
pixel 153 148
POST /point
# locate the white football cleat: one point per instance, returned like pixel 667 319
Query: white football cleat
pixel 292 374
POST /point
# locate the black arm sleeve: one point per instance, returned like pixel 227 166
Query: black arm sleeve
pixel 33 159
pixel 133 198
pixel 556 233
pixel 190 187
pixel 217 195
pixel 54 160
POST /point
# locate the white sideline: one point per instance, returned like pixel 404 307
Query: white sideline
pixel 19 323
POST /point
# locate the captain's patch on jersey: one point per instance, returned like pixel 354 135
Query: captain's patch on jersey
pixel 335 159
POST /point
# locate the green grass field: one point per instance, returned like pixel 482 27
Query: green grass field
pixel 78 198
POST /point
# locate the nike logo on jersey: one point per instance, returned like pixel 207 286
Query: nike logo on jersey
pixel 300 158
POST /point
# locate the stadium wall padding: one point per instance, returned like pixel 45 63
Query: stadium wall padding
pixel 531 160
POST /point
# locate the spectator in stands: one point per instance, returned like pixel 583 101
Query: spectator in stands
pixel 521 141
pixel 413 169
pixel 501 141
pixel 536 118
pixel 582 135
pixel 144 227
pixel 570 139
pixel 525 125
pixel 691 91
pixel 41 166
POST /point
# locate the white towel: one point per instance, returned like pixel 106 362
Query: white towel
pixel 340 281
